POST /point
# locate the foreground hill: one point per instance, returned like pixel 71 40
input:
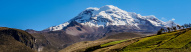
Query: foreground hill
pixel 177 41
pixel 14 40
pixel 52 41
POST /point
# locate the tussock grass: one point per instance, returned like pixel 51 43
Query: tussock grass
pixel 83 46
pixel 149 43
pixel 178 42
pixel 169 42
pixel 112 43
pixel 117 47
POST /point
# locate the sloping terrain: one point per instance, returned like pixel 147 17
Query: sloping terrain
pixel 52 41
pixel 176 41
pixel 124 35
pixel 83 46
pixel 14 40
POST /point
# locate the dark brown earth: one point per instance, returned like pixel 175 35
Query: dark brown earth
pixel 15 40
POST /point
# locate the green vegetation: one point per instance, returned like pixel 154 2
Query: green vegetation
pixel 85 45
pixel 174 41
pixel 178 42
pixel 112 43
pixel 149 43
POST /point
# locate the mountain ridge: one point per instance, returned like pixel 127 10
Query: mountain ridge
pixel 110 15
pixel 15 40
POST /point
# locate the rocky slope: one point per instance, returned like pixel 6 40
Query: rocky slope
pixel 52 41
pixel 14 40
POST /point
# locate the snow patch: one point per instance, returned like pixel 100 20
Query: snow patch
pixel 111 15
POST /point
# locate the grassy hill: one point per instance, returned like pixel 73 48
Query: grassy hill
pixel 14 40
pixel 176 41
pixel 86 46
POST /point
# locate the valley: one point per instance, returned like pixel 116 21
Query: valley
pixel 176 41
pixel 104 29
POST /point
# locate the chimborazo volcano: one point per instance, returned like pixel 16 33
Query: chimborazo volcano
pixel 96 23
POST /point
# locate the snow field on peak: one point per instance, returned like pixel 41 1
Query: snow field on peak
pixel 110 15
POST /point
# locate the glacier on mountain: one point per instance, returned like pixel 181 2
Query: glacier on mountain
pixel 110 15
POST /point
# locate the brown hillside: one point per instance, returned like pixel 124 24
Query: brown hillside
pixel 14 40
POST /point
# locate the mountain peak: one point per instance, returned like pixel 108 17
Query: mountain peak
pixel 111 15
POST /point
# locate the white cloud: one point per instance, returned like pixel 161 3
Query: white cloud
pixel 173 19
pixel 164 19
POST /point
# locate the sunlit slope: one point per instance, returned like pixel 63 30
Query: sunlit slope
pixel 174 41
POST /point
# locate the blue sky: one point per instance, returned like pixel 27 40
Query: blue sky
pixel 41 14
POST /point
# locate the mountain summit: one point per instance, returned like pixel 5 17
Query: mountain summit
pixel 111 15
pixel 96 23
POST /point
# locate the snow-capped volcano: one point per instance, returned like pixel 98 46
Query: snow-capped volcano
pixel 110 15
